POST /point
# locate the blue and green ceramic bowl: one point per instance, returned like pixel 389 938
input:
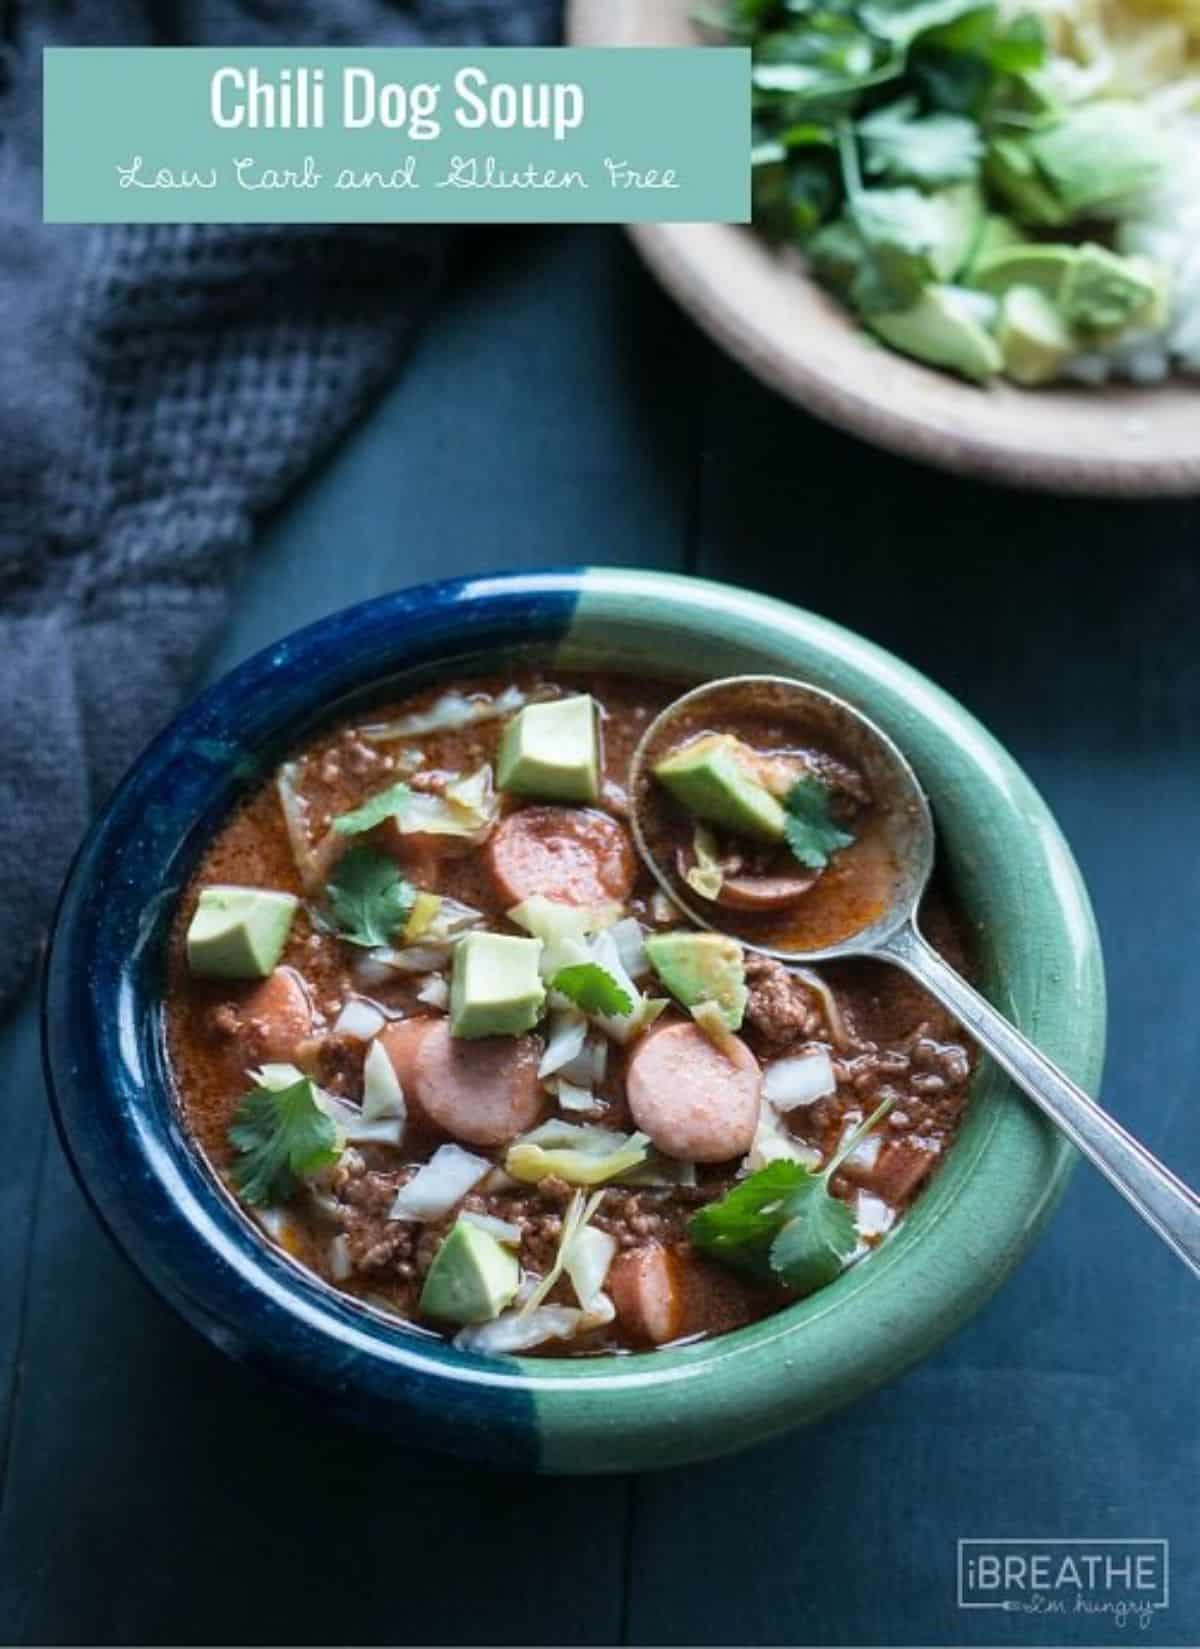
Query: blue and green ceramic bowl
pixel 1036 943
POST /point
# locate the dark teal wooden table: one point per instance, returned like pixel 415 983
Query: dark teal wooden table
pixel 560 410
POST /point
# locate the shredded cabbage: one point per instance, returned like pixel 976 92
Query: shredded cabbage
pixel 706 876
pixel 354 1126
pixel 773 1143
pixel 409 959
pixel 872 1215
pixel 561 928
pixel 565 1041
pixel 801 1079
pixel 435 991
pixel 311 862
pixel 584 1255
pixel 451 919
pixel 587 1069
pixel 663 908
pixel 571 1097
pixel 586 1260
pixel 834 1023
pixel 512 1331
pixel 424 908
pixel 503 1230
pixel 467 807
pixel 622 1028
pixel 446 714
pixel 866 1153
pixel 579 1136
pixel 579 1212
pixel 275 1075
pixel 274 1221
pixel 580 1154
pixel 441 1184
pixel 659 1170
pixel 339 1259
pixel 627 937
pixel 360 1019
pixel 383 1095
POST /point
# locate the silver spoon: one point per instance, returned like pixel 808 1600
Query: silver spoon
pixel 1164 1202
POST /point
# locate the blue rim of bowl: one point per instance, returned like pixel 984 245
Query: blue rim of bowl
pixel 106 1069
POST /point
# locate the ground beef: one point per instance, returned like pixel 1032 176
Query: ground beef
pixel 336 1061
pixel 778 1006
pixel 636 1217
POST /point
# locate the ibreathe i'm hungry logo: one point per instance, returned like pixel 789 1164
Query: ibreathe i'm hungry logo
pixel 1123 1581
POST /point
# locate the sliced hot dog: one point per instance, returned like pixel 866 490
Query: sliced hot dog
pixel 484 1091
pixel 695 1100
pixel 662 1294
pixel 270 1021
pixel 644 1286
pixel 751 892
pixel 421 852
pixel 763 892
pixel 570 854
pixel 899 1170
pixel 400 1042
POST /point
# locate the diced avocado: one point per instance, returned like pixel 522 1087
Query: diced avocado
pixel 1098 156
pixel 701 967
pixel 1012 171
pixel 996 234
pixel 552 751
pixel 939 329
pixel 238 932
pixel 495 986
pixel 1155 313
pixel 472 1278
pixel 710 780
pixel 1033 337
pixel 961 209
pixel 909 239
pixel 1103 293
pixel 1028 264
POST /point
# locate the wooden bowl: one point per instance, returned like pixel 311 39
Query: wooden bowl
pixel 761 307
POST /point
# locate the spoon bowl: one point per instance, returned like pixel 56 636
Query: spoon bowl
pixel 901 829
pixel 896 846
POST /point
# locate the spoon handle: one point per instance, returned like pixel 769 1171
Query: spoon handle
pixel 1164 1202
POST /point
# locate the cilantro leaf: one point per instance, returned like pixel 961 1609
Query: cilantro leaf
pixel 794 193
pixel 744 1222
pixel 959 66
pixel 593 989
pixel 368 897
pixel 809 827
pixel 784 1222
pixel 384 805
pixel 280 1134
pixel 931 150
pixel 901 21
pixel 817 1233
pixel 816 1239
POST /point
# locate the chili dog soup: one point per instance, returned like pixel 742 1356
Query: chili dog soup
pixel 440 1033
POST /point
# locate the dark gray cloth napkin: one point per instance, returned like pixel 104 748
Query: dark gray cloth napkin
pixel 160 387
